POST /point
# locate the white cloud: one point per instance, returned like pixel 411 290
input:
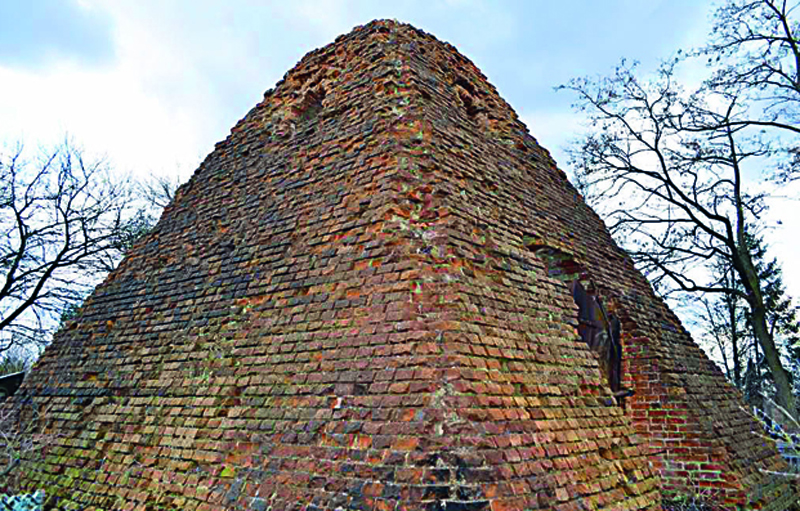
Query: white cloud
pixel 784 238
pixel 104 111
pixel 329 16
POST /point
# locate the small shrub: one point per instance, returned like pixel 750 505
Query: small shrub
pixel 23 502
pixel 687 503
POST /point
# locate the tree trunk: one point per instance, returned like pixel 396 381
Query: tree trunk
pixel 755 351
pixel 785 397
pixel 737 363
pixel 742 260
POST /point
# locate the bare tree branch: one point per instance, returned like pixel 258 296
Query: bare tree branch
pixel 65 222
pixel 671 163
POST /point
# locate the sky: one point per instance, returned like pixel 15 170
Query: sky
pixel 151 85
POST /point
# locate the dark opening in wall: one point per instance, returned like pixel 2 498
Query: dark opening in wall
pixel 9 384
pixel 466 93
pixel 464 84
pixel 311 105
pixel 598 328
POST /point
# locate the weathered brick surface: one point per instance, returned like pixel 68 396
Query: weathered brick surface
pixel 347 307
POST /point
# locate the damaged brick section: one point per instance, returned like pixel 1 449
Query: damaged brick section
pixel 340 310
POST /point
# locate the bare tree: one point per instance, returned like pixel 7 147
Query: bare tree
pixel 724 320
pixel 721 318
pixel 64 222
pixel 159 191
pixel 754 50
pixel 754 53
pixel 679 195
pixel 669 167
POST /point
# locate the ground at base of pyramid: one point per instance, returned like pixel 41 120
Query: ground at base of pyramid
pixel 365 298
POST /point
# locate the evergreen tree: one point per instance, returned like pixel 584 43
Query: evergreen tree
pixel 781 317
pixel 727 323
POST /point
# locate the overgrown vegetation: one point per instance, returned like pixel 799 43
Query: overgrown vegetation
pixel 688 503
pixel 23 502
pixel 15 361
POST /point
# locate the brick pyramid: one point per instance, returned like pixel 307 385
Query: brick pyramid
pixel 361 300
